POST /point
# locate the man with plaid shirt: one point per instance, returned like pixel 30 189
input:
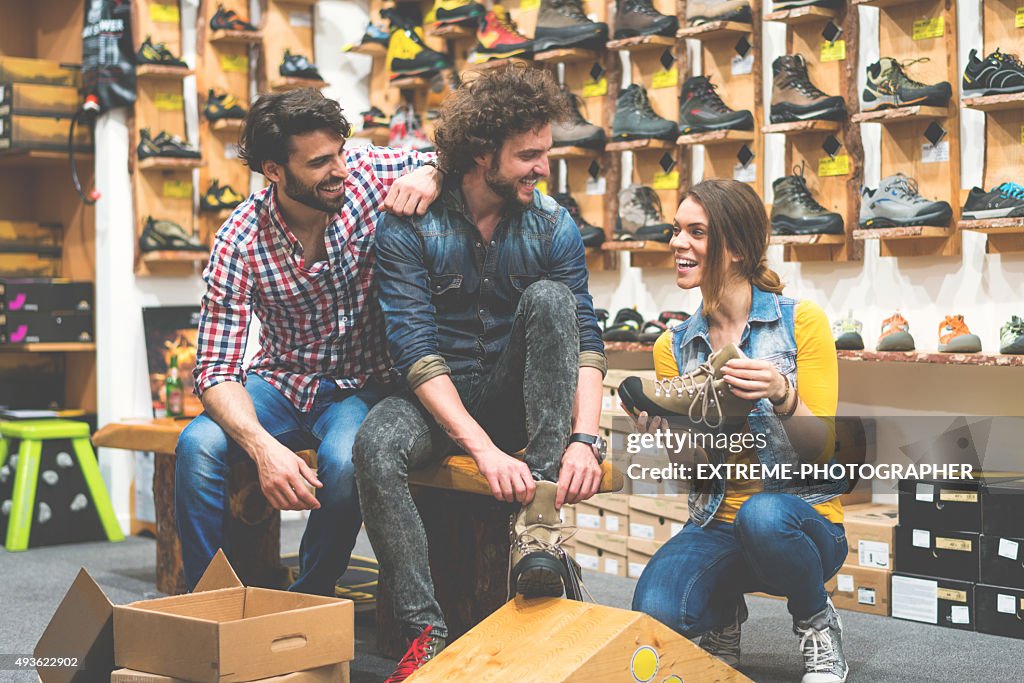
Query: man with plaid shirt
pixel 298 256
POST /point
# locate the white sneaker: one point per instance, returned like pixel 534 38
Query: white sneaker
pixel 821 642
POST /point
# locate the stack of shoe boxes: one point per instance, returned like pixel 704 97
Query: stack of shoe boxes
pixel 653 520
pixel 43 310
pixel 862 583
pixel 38 98
pixel 999 597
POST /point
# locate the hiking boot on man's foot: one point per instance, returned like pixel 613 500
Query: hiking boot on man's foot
pixel 888 86
pixel 563 23
pixel 955 337
pixel 795 98
pixel 896 203
pixel 821 643
pixel 701 109
pixel 895 334
pixel 796 212
pixel 537 563
pixel 635 18
pixel 422 649
pixel 635 119
pixel 724 643
pixel 702 395
pixel 705 11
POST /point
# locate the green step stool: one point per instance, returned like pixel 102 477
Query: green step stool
pixel 32 434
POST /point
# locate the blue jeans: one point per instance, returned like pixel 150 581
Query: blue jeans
pixel 205 454
pixel 779 544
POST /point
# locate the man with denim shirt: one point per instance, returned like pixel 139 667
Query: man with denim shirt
pixel 490 322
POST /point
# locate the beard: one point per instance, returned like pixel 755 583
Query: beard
pixel 507 188
pixel 308 195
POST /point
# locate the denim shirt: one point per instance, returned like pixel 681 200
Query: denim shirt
pixel 449 298
pixel 769 335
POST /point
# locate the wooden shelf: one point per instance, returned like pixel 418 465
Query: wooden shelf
pixel 289 83
pixel 175 256
pixel 802 15
pixel 161 71
pixel 451 32
pixel 798 127
pixel 903 233
pixel 169 164
pixel 629 346
pixel 995 102
pixel 600 260
pixel 715 30
pixel 39 158
pixel 884 3
pixel 574 153
pixel 716 137
pixel 637 245
pixel 995 226
pixel 642 43
pixel 566 55
pixel 807 240
pixel 500 61
pixel 645 143
pixel 228 125
pixel 410 82
pixel 934 357
pixel 370 49
pixel 49 347
pixel 236 37
pixel 900 114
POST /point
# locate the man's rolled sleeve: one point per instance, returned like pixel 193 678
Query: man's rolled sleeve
pixel 224 322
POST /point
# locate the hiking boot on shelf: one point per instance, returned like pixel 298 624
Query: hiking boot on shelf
pixel 625 327
pixel 796 212
pixel 162 235
pixel 498 37
pixel 896 203
pixel 705 11
pixel 821 642
pixel 1003 201
pixel 422 649
pixel 375 35
pixel 576 131
pixel 454 13
pixel 673 318
pixel 795 98
pixel 701 109
pixel 298 66
pixel 537 561
pixel 702 395
pixel 164 145
pixel 222 106
pixel 888 86
pixel 228 20
pixel 374 118
pixel 592 235
pixel 406 131
pixel 895 334
pixel 954 337
pixel 1011 336
pixel 635 18
pixel 724 643
pixel 998 74
pixel 846 332
pixel 218 198
pixel 563 23
pixel 640 216
pixel 408 53
pixel 636 120
pixel 157 53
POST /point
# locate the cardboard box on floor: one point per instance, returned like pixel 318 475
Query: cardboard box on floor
pixel 223 632
pixel 871 535
pixel 861 589
pixel 336 673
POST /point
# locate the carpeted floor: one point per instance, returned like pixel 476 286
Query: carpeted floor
pixel 879 650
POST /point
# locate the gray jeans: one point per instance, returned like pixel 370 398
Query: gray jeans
pixel 526 401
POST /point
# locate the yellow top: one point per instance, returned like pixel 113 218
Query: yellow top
pixel 817 373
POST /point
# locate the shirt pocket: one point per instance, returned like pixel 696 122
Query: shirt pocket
pixel 445 290
pixel 786 364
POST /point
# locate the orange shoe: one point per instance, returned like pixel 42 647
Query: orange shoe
pixel 498 37
pixel 421 650
pixel 954 337
pixel 895 334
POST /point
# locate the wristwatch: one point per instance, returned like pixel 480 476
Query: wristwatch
pixel 599 445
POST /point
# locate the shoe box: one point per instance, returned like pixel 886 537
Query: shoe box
pixel 599 551
pixel 36 327
pixel 870 535
pixel 861 589
pixel 639 553
pixel 949 554
pixel 606 512
pixel 1002 561
pixel 220 633
pixel 337 673
pixel 933 600
pixel 44 295
pixel 657 518
pixel 940 504
pixel 39 71
pixel 29 234
pixel 31 381
pixel 31 99
pixel 1000 611
pixel 48 133
pixel 1002 506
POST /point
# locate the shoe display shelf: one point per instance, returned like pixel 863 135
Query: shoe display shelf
pixel 731 59
pixel 161 186
pixel 287 26
pixel 919 141
pixel 1004 126
pixel 224 68
pixel 830 152
pixel 35 189
pixel 933 357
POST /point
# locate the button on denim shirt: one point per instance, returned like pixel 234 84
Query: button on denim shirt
pixel 768 335
pixel 449 297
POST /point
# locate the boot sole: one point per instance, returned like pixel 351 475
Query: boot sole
pixel 938 219
pixel 785 228
pixel 1013 348
pixel 898 341
pixel 539 576
pixel 827 113
pixel 965 343
pixel 746 124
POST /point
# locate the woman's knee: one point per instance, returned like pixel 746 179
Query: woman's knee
pixel 764 515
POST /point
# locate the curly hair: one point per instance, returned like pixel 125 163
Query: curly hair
pixel 496 105
pixel 276 117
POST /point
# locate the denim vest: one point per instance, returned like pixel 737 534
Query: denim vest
pixel 768 335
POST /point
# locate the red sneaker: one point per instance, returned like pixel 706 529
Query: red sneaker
pixel 498 37
pixel 420 651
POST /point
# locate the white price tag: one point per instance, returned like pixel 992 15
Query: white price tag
pixel 611 566
pixel 934 154
pixel 745 174
pixel 611 522
pixel 866 596
pixel 922 538
pixel 873 554
pixel 1006 604
pixel 844 582
pixel 588 521
pixel 635 569
pixel 959 614
pixel 301 19
pixel 596 186
pixel 743 65
pixel 588 561
pixel 1008 548
pixel 925 493
pixel 641 531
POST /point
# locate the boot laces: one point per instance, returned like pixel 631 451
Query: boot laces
pixel 818 649
pixel 709 92
pixel 643 105
pixel 900 68
pixel 798 188
pixel 725 639
pixel 421 651
pixel 642 7
pixel 1011 190
pixel 506 21
pixel 650 202
pixel 906 188
pixel 1008 57
pixel 572 8
pixel 576 103
pixel 700 392
pixel 796 77
pixel 529 542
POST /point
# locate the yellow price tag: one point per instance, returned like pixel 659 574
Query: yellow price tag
pixel 169 101
pixel 953 544
pixel 666 78
pixel 164 14
pixel 958 496
pixel 833 52
pixel 598 88
pixel 529 4
pixel 833 166
pixel 1018 18
pixel 666 181
pixel 542 185
pixel 929 28
pixel 951 595
pixel 177 189
pixel 238 64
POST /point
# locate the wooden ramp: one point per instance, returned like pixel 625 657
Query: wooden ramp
pixel 547 640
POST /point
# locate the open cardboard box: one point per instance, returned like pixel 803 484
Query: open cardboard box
pixel 222 632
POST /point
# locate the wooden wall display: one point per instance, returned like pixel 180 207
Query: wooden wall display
pixel 288 25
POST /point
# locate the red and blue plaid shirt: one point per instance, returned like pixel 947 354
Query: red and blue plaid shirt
pixel 319 320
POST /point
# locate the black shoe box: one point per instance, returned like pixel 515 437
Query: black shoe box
pixel 44 294
pixel 45 327
pixel 933 600
pixel 999 610
pixel 1002 507
pixel 1002 561
pixel 944 503
pixel 949 554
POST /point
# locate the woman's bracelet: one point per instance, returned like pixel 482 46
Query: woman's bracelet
pixel 789 413
pixel 785 397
